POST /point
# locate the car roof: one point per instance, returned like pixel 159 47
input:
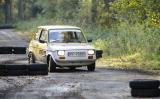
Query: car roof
pixel 48 27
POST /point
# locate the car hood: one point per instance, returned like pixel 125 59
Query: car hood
pixel 64 46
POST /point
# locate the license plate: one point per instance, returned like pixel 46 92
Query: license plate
pixel 76 54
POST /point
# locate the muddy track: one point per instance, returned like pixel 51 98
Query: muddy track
pixel 78 84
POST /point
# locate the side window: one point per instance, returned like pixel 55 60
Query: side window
pixel 43 36
pixel 80 36
pixel 38 34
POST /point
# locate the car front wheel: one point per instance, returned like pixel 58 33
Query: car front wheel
pixel 91 67
pixel 52 65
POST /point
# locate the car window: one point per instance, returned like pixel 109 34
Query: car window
pixel 43 36
pixel 38 34
pixel 66 36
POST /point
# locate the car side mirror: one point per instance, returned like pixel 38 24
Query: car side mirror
pixel 89 40
pixel 42 41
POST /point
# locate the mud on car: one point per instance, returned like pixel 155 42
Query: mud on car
pixel 62 46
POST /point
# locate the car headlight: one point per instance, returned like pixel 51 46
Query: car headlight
pixel 61 53
pixel 91 52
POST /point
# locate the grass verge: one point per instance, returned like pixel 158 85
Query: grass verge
pixel 130 62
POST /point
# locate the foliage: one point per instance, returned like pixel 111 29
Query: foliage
pixel 143 11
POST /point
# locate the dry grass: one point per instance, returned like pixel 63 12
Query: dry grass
pixel 135 61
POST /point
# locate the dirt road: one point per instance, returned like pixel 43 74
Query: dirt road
pixel 78 84
pixel 65 84
pixel 10 38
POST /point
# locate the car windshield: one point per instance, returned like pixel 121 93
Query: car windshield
pixel 66 36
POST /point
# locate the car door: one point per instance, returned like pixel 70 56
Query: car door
pixel 42 46
pixel 34 43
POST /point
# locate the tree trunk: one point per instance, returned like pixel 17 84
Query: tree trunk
pixel 94 11
pixel 106 8
pixel 21 9
pixel 8 11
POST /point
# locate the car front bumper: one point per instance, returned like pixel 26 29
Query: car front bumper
pixel 73 61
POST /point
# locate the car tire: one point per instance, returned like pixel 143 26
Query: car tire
pixel 2 72
pixel 91 67
pixel 145 92
pixel 72 68
pixel 31 58
pixel 5 50
pixel 16 67
pixel 2 66
pixel 32 73
pixel 19 50
pixel 52 65
pixel 144 84
pixel 16 72
pixel 37 67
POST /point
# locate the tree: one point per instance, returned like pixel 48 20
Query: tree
pixel 1 11
pixel 8 11
pixel 94 11
pixel 21 9
pixel 137 11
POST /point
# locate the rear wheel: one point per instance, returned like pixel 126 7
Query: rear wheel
pixel 52 65
pixel 31 58
pixel 91 67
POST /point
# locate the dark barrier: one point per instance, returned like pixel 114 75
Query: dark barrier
pixel 5 50
pixel 7 26
pixel 36 69
pixel 2 70
pixel 144 88
pixel 19 50
pixel 99 53
pixel 23 69
pixel 12 50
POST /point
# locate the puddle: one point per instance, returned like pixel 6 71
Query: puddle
pixel 58 89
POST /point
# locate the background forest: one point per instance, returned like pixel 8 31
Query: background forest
pixel 128 31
